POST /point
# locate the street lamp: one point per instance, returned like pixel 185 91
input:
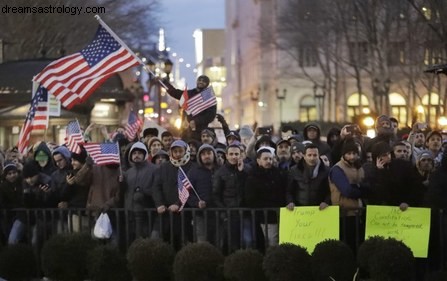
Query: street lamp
pixel 254 96
pixel 167 69
pixel 381 90
pixel 280 96
pixel 319 95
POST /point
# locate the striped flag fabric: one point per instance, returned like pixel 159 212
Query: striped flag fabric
pixel 72 79
pixel 103 153
pixel 132 127
pixel 74 136
pixel 184 100
pixel 36 118
pixel 201 101
pixel 184 186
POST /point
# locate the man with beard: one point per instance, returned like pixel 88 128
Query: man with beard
pixel 308 181
pixel 283 154
pixel 392 181
pixel 264 188
pixel 384 131
pixel 400 151
pixel 201 120
pixel 166 192
pixel 228 192
pixel 138 183
pixel 417 139
pixel 433 142
pixel 345 179
pixel 201 178
pixel 297 150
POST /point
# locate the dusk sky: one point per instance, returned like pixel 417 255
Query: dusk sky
pixel 185 16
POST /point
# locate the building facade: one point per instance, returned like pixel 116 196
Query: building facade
pixel 268 84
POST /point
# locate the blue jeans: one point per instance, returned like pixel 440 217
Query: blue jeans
pixel 17 232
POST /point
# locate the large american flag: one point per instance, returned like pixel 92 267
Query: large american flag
pixel 184 185
pixel 72 79
pixel 201 101
pixel 133 126
pixel 74 136
pixel 103 153
pixel 36 118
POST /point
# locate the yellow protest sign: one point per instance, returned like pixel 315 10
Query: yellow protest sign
pixel 307 226
pixel 412 226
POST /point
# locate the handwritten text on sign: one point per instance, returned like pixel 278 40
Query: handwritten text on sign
pixel 411 226
pixel 307 226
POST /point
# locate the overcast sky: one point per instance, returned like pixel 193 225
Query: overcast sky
pixel 182 17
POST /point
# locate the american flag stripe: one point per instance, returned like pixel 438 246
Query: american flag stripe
pixel 203 106
pixel 36 118
pixel 184 185
pixel 132 126
pixel 77 77
pixel 201 101
pixel 103 153
pixel 74 136
pixel 74 78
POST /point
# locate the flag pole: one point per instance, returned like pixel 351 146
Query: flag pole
pixel 119 156
pixel 103 24
pixel 192 187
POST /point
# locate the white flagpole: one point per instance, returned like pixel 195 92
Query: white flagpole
pixel 103 24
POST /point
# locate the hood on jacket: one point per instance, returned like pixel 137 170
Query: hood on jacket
pixel 311 125
pixel 62 150
pixel 42 148
pixel 160 153
pixel 140 146
pixel 202 148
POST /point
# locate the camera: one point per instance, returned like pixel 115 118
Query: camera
pixel 353 129
pixel 265 130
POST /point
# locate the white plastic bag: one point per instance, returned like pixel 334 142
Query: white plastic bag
pixel 103 228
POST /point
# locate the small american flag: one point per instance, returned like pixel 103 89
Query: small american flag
pixel 74 136
pixel 184 186
pixel 36 118
pixel 72 79
pixel 133 126
pixel 103 153
pixel 201 101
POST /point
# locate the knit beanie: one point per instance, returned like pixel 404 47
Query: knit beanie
pixel 425 155
pixel 208 132
pixel 381 119
pixel 245 132
pixel 9 166
pixel 30 169
pixel 297 147
pixel 349 146
pixel 150 131
pixel 81 156
pixel 379 149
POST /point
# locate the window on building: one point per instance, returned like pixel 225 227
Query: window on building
pixel 397 54
pixel 307 55
pixel 433 107
pixel 358 53
pixel 434 55
pixel 399 108
pixel 308 109
pixel 357 105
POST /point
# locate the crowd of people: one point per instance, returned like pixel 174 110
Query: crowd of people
pixel 254 168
